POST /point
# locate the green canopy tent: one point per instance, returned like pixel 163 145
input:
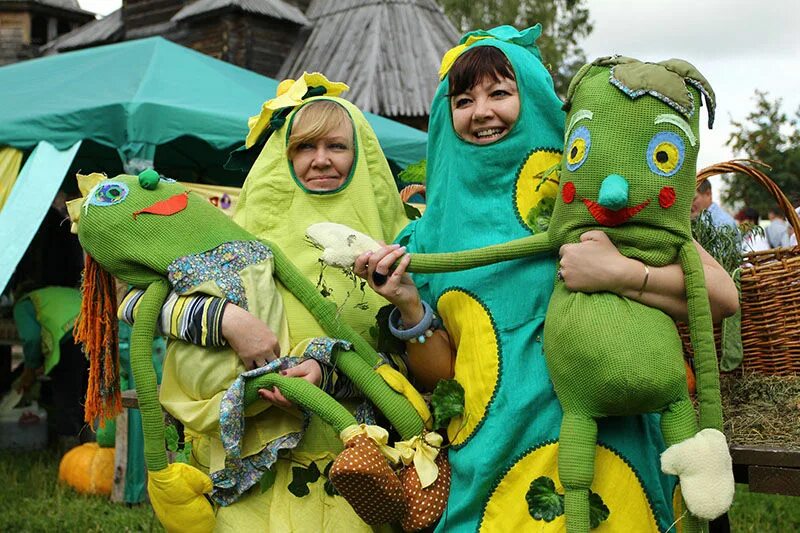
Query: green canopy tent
pixel 131 105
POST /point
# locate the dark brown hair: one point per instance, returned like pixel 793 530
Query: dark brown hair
pixel 477 64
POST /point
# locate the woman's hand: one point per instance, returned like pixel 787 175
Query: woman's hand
pixel 309 370
pixel 399 289
pixel 595 265
pixel 252 340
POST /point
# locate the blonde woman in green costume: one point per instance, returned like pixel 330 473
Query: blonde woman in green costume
pixel 323 163
pixel 496 127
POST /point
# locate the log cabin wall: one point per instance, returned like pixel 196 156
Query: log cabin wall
pixel 15 37
pixel 269 42
pixel 260 44
pixel 139 14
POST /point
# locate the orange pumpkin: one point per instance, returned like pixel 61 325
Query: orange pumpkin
pixel 88 468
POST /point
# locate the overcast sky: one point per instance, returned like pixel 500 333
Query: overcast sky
pixel 738 45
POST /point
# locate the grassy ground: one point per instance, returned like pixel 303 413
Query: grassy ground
pixel 31 500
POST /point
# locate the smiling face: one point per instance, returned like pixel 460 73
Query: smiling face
pixel 485 112
pixel 628 166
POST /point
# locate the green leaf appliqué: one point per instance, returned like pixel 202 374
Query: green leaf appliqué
pixel 447 401
pixel 301 477
pixel 330 490
pixel 268 479
pixel 544 503
pixel 598 512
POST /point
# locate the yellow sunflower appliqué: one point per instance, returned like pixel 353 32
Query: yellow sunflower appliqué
pixel 477 368
pixel 536 189
pixel 621 491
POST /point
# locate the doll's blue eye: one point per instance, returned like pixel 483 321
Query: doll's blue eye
pixel 665 153
pixel 109 194
pixel 578 148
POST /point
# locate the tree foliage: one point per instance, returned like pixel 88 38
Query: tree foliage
pixel 769 135
pixel 564 23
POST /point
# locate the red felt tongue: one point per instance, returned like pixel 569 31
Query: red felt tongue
pixel 167 207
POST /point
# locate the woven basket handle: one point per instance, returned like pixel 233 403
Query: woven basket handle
pixel 747 167
pixel 410 190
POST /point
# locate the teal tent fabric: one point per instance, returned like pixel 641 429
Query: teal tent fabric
pixel 28 202
pixel 140 94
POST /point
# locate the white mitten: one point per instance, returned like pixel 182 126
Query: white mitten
pixel 340 244
pixel 703 464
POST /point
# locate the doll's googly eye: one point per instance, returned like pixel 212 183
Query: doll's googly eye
pixel 578 148
pixel 110 193
pixel 665 153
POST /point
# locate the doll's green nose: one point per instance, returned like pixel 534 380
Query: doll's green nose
pixel 613 192
pixel 149 179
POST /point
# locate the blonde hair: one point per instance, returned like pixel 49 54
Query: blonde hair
pixel 316 120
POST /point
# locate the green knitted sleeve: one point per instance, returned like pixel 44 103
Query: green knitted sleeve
pixel 701 330
pixel 144 374
pixel 305 394
pixel 464 260
pixel 358 364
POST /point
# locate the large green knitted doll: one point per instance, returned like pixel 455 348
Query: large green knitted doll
pixel 153 234
pixel 628 169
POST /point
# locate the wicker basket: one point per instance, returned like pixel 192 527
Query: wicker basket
pixel 770 285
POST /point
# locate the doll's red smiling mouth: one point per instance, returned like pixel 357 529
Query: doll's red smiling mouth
pixel 609 217
pixel 170 206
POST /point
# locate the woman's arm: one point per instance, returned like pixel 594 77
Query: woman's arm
pixel 209 321
pixel 432 360
pixel 595 265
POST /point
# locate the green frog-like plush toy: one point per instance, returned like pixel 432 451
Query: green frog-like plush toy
pixel 628 169
pixel 153 234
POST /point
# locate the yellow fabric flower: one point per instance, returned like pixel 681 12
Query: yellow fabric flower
pixel 422 451
pixel 400 384
pixel 290 93
pixel 451 55
pixel 86 184
pixel 379 435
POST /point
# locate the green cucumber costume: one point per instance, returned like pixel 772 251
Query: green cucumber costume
pixel 153 234
pixel 506 444
pixel 628 169
pixel 274 205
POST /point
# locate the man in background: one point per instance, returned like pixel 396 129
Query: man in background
pixel 778 229
pixel 704 201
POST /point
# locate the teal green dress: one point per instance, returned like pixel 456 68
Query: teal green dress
pixel 504 448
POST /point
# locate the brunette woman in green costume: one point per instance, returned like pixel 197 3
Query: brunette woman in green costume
pixel 496 128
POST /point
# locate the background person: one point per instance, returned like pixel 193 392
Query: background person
pixel 704 201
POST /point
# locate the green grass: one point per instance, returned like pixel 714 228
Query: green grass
pixel 32 500
pixel 762 513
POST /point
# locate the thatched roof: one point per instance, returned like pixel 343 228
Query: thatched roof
pixel 388 51
pixel 277 9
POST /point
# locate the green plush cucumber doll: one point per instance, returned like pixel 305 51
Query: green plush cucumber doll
pixel 153 234
pixel 628 169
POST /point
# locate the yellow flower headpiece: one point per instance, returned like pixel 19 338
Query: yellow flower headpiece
pixel 290 93
pixel 86 184
pixel 451 55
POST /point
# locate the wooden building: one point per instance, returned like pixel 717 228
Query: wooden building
pixel 25 25
pixel 388 51
pixel 253 34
